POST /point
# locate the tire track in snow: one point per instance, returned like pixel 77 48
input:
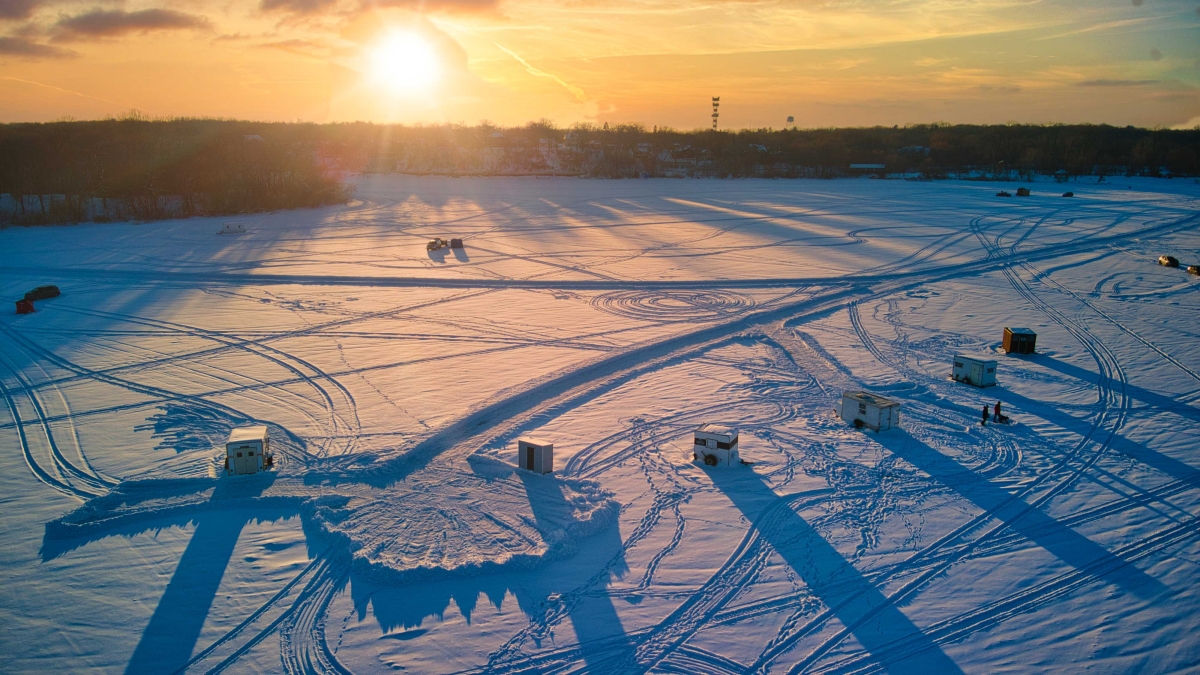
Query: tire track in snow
pixel 1110 371
pixel 65 476
pixel 973 267
pixel 27 452
pixel 1035 506
pixel 1105 359
pixel 235 386
pixel 314 570
pixel 154 392
pixel 991 614
pixel 327 605
pixel 272 355
pixel 304 649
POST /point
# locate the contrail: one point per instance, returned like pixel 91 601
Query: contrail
pixel 578 93
pixel 50 86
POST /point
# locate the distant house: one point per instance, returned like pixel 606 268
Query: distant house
pixel 870 170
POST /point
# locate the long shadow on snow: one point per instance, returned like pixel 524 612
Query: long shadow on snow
pixel 1059 540
pixel 857 604
pixel 603 643
pixel 1156 460
pixel 1157 401
pixel 170 637
pixel 602 638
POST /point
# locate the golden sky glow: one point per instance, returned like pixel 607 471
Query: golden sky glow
pixel 657 62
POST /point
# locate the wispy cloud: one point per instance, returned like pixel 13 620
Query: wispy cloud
pixel 1116 83
pixel 576 91
pixel 296 6
pixel 1107 25
pixel 298 46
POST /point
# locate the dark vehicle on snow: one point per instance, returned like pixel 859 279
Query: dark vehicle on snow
pixel 43 293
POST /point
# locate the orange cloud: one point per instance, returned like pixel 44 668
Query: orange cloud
pixel 111 23
pixel 25 48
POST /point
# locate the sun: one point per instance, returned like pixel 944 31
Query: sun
pixel 404 63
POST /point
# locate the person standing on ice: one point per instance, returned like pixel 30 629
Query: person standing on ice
pixel 998 418
pixel 983 421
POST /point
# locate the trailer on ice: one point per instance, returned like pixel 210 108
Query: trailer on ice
pixel 716 445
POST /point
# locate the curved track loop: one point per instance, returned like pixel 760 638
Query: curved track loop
pixel 61 473
pixel 664 641
pixel 673 305
pixel 1114 405
pixel 304 645
pixel 302 369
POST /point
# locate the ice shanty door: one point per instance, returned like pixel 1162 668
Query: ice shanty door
pixel 977 373
pixel 245 459
pixel 529 457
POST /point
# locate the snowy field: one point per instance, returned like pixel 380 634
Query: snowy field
pixel 612 318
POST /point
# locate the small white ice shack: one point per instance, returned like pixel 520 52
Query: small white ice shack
pixel 862 408
pixel 248 451
pixel 535 455
pixel 976 369
pixel 716 445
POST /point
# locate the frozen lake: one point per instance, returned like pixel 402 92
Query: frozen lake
pixel 610 318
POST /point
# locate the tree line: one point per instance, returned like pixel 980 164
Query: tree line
pixel 137 169
pixel 134 168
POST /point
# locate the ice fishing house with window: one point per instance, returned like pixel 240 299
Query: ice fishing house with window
pixel 535 455
pixel 976 369
pixel 716 445
pixel 864 409
pixel 248 451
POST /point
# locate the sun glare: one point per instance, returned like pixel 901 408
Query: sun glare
pixel 404 63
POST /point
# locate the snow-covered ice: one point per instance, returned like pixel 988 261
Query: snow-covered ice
pixel 611 318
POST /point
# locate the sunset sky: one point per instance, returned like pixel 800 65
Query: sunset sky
pixel 656 62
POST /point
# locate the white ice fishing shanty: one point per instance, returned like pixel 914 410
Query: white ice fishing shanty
pixel 535 455
pixel 248 451
pixel 864 409
pixel 976 369
pixel 716 445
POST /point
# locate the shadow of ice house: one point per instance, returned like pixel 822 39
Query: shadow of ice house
pixel 1029 521
pixel 877 623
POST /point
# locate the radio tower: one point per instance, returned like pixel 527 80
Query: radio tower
pixel 716 104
